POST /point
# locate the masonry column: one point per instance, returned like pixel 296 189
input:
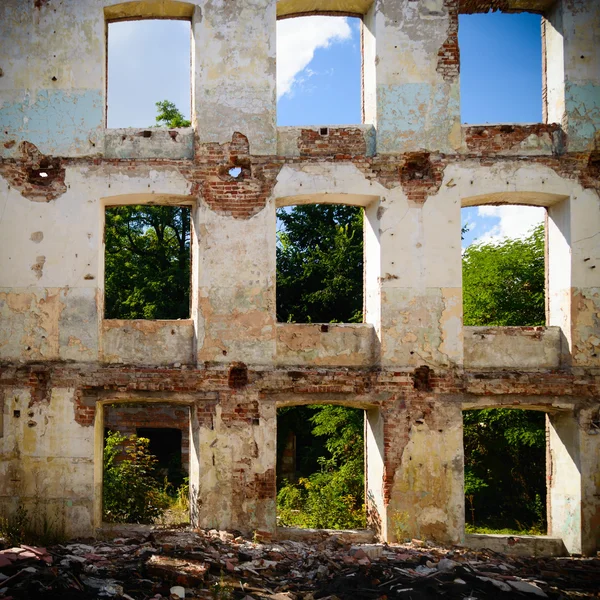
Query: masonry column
pixel 574 276
pixel 418 313
pixel 571 33
pixel 423 473
pixel 411 76
pixel 574 480
pixel 233 62
pixel 237 454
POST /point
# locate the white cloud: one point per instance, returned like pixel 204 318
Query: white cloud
pixel 297 40
pixel 515 221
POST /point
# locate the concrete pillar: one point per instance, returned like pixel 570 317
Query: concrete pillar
pixel 574 276
pixel 233 63
pixel 235 294
pixel 572 30
pixel 420 281
pixel 424 467
pixel 411 61
pixel 236 485
pixel 574 480
pixel 374 472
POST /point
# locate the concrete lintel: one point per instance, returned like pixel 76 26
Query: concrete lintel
pixel 149 142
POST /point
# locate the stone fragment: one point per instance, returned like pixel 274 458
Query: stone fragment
pixel 528 588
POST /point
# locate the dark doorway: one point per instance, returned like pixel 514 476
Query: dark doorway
pixel 165 444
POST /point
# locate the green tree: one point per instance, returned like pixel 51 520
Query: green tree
pixel 147 262
pixel 503 283
pixel 170 116
pixel 505 466
pixel 320 264
pixel 131 490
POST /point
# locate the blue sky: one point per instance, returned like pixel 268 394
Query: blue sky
pixel 318 82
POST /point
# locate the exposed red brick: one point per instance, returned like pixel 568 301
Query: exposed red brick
pixel 337 141
pixel 494 139
pixel 39 178
pixel 449 55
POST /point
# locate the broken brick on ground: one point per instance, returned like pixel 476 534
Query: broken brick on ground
pixel 158 564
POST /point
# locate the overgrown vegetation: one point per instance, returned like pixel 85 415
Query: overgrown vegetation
pixel 331 497
pixel 35 526
pixel 505 467
pixel 132 493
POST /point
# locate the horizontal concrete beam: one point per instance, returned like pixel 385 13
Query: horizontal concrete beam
pixel 151 142
pixel 512 347
pixel 344 345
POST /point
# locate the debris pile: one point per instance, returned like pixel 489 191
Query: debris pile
pixel 212 564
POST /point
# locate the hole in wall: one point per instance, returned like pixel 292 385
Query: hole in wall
pixel 235 172
pixel 146 463
pixel 504 280
pixel 320 452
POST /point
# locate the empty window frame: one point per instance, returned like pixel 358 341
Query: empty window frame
pixel 147 262
pixel 320 263
pixel 319 70
pixel 500 68
pixel 148 63
pixel 504 280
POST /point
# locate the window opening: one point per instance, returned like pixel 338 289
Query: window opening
pixel 148 63
pixel 500 68
pixel 319 66
pixel 505 471
pixel 147 262
pixel 320 467
pixel 320 264
pixel 504 281
pixel 146 463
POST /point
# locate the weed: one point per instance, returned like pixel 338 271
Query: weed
pixel 399 520
pixel 14 528
pixel 221 590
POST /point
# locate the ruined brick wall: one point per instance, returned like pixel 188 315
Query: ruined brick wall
pixel 231 364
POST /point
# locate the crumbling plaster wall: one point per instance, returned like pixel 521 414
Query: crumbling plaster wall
pixel 231 363
pixel 47 460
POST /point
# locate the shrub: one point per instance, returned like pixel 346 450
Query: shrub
pixel 329 499
pixel 132 492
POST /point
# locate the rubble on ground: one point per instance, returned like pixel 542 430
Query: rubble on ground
pixel 174 564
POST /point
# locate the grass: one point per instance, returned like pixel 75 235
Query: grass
pixel 482 529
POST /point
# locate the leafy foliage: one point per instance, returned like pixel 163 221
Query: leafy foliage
pixel 147 262
pixel 333 496
pixel 503 284
pixel 505 465
pixel 131 491
pixel 320 264
pixel 170 116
